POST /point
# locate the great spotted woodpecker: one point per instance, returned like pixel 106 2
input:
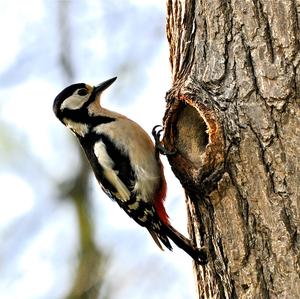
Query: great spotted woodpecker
pixel 124 160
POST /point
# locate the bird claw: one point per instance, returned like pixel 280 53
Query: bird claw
pixel 158 144
pixel 202 256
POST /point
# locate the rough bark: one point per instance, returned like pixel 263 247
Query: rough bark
pixel 233 117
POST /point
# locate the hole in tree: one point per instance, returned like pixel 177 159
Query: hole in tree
pixel 192 136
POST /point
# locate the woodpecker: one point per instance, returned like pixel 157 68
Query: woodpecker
pixel 124 160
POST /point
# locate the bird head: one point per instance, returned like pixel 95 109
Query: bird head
pixel 75 99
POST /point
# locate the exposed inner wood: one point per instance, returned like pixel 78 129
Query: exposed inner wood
pixel 192 136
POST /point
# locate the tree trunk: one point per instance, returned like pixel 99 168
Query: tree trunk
pixel 233 117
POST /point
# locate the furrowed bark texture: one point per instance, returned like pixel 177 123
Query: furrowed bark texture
pixel 233 117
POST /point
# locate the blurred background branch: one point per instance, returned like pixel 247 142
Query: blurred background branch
pixel 88 278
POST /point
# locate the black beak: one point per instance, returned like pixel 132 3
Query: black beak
pixel 102 86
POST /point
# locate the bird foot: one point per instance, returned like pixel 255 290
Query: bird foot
pixel 202 256
pixel 158 144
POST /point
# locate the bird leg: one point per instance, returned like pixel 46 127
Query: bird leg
pixel 158 144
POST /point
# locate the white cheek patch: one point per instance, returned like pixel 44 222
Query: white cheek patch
pixel 74 102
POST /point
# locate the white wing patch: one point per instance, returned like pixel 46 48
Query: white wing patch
pixel 136 143
pixel 111 175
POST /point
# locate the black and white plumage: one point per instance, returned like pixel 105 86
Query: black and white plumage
pixel 124 160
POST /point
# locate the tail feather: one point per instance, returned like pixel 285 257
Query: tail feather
pixel 198 254
pixel 155 238
pixel 160 237
pixel 162 233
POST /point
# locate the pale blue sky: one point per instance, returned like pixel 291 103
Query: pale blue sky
pixel 37 230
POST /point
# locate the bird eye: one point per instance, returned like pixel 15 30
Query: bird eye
pixel 82 92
